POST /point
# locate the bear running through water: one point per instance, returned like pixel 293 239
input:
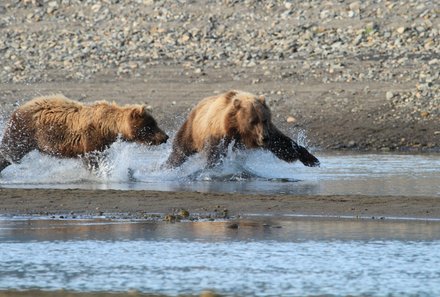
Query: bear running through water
pixel 62 127
pixel 236 116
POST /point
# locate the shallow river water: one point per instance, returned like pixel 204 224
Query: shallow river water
pixel 130 166
pixel 263 257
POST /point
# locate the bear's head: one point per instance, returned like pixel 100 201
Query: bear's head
pixel 142 127
pixel 251 118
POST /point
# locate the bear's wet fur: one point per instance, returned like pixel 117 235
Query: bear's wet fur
pixel 237 116
pixel 62 127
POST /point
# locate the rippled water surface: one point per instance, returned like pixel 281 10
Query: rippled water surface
pixel 295 257
pixel 130 166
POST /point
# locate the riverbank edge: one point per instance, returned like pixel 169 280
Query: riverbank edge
pixel 181 206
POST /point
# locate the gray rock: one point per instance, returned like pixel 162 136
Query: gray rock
pixel 389 95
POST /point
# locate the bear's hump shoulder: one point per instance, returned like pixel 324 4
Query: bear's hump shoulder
pixel 116 105
pixel 50 101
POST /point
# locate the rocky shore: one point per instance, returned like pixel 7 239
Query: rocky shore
pixel 357 75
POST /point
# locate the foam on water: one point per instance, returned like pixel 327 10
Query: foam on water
pixel 130 162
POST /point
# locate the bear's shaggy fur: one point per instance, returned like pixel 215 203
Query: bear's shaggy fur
pixel 62 127
pixel 233 116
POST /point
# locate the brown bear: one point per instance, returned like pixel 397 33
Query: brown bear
pixel 233 116
pixel 62 127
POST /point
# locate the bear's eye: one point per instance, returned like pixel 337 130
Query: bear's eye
pixel 144 131
pixel 253 121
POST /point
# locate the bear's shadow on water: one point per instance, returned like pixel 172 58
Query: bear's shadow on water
pixel 227 180
pixel 217 175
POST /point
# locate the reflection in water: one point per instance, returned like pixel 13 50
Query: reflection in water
pixel 131 166
pixel 272 257
pixel 259 229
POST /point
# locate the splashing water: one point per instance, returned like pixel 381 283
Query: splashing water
pixel 130 163
pixel 133 166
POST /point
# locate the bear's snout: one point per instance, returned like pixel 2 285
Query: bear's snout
pixel 159 138
pixel 151 136
pixel 163 137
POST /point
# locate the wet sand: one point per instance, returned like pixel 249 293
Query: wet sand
pixel 160 205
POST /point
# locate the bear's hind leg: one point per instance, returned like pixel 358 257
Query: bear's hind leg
pixel 13 155
pixel 3 162
pixel 93 160
pixel 16 143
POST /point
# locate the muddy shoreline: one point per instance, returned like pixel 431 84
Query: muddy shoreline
pixel 171 206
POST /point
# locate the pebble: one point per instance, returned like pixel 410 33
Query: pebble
pixel 291 120
pixel 400 30
pixel 355 6
pixel 389 95
pixel 424 114
pixel 170 218
pixel 183 213
pixel 232 226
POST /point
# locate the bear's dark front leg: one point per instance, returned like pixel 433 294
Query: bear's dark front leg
pixel 305 156
pixel 177 157
pixel 181 151
pixel 182 147
pixel 216 150
pixel 288 150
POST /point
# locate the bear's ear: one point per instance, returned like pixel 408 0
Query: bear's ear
pixel 229 95
pixel 262 99
pixel 236 103
pixel 137 112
